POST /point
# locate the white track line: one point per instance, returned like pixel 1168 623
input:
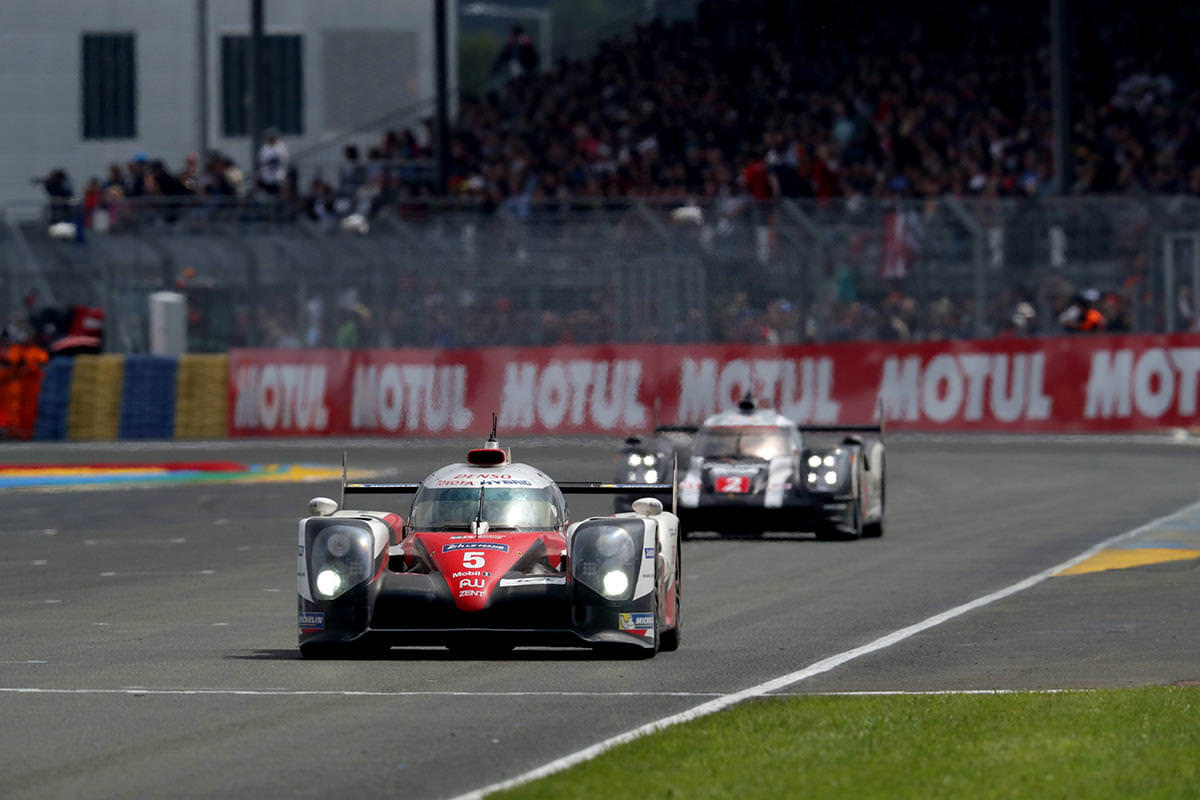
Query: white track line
pixel 139 691
pixel 824 665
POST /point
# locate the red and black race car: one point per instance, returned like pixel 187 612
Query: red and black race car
pixel 487 559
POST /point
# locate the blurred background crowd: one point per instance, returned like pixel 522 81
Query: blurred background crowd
pixel 742 105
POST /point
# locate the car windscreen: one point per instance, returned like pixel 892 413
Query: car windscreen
pixel 503 507
pixel 757 442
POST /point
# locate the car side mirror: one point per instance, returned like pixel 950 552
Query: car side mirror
pixel 648 506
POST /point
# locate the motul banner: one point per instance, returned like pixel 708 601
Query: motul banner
pixel 1076 384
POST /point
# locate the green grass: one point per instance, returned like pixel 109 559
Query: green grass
pixel 1130 743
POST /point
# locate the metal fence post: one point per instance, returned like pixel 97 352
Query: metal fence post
pixel 820 250
pixel 33 266
pixel 671 314
pixel 976 230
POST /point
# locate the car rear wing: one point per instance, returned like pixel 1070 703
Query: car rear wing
pixel 676 428
pixel 639 489
pixel 566 487
pixel 841 429
pixel 597 487
pixel 380 488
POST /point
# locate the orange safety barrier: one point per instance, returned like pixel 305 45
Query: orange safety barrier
pixel 21 371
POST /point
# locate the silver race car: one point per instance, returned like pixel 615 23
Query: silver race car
pixel 754 470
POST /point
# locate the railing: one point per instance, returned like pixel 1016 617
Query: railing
pixel 424 272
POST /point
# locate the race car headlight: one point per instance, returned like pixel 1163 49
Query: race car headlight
pixel 605 555
pixel 615 583
pixel 340 558
pixel 328 582
pixel 634 460
pixel 650 476
pixel 827 470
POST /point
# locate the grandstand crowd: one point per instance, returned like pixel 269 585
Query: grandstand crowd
pixel 753 101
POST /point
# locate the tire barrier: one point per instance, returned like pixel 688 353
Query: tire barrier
pixel 95 406
pixel 202 397
pixel 108 397
pixel 54 400
pixel 148 397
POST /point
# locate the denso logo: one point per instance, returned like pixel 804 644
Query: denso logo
pixel 967 386
pixel 281 397
pixel 801 389
pixel 1151 383
pixel 413 397
pixel 574 393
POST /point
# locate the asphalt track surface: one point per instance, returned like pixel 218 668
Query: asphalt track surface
pixel 148 635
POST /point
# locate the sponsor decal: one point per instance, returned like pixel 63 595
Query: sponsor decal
pixel 312 620
pixel 803 389
pixel 471 583
pixel 638 621
pixel 1153 382
pixel 649 552
pixel 535 580
pixel 281 397
pixel 732 484
pixel 409 397
pixel 450 548
pixel 471 573
pixel 472 593
pixel 965 386
pixel 735 469
pixel 579 393
pixel 1054 384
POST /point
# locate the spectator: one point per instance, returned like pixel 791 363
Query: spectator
pixel 1080 314
pixel 272 163
pixel 61 194
pixel 135 183
pixel 518 57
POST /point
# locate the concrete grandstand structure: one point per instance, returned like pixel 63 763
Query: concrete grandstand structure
pixel 91 83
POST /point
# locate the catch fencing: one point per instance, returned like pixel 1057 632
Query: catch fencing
pixel 424 273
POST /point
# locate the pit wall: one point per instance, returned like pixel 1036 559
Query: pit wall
pixel 1052 385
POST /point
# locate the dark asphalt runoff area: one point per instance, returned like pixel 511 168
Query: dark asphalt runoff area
pixel 149 635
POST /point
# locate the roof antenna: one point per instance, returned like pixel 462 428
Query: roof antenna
pixel 479 526
pixel 492 441
pixel 342 498
pixel 747 403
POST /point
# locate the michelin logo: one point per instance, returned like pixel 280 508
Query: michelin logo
pixel 312 620
pixel 643 621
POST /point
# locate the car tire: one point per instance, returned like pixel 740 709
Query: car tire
pixel 669 640
pixel 830 533
pixel 874 529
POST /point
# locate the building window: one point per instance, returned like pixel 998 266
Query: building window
pixel 109 67
pixel 281 82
